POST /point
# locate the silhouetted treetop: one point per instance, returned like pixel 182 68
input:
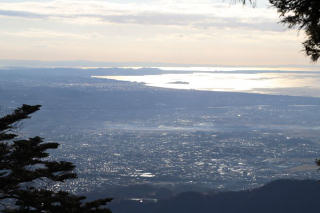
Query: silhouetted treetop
pixel 24 162
pixel 303 14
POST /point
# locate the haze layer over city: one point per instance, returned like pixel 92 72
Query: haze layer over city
pixel 122 133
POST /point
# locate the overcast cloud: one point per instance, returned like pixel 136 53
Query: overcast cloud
pixel 196 15
pixel 147 27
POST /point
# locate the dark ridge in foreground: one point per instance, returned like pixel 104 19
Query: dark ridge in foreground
pixel 281 196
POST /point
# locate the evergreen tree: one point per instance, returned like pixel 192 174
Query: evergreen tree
pixel 303 14
pixel 23 162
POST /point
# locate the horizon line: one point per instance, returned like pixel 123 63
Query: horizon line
pixel 20 63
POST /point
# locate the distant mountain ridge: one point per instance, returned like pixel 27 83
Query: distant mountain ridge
pixel 280 196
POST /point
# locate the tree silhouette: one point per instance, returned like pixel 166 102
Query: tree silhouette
pixel 303 14
pixel 24 162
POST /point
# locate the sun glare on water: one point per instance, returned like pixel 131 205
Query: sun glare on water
pixel 294 83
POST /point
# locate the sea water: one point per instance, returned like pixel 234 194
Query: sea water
pixel 278 81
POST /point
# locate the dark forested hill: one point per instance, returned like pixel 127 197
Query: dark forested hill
pixel 281 196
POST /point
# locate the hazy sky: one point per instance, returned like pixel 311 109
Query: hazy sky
pixel 213 32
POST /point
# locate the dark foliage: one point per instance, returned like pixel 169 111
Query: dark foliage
pixel 24 161
pixel 304 14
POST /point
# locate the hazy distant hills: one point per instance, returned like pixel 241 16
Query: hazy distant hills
pixel 85 63
pixel 79 63
pixel 281 196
